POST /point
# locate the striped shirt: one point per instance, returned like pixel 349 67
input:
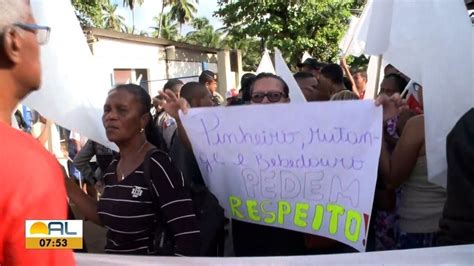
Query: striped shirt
pixel 128 212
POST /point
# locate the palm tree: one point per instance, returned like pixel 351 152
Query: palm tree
pixel 132 4
pixel 204 35
pixel 144 33
pixel 167 28
pixel 110 18
pixel 127 29
pixel 200 23
pixel 182 11
pixel 164 4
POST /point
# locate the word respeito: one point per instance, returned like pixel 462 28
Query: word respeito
pixel 301 214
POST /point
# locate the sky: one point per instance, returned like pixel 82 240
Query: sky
pixel 144 14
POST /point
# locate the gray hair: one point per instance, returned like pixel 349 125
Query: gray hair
pixel 12 11
pixel 344 96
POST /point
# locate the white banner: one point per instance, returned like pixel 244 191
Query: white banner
pixel 282 70
pixel 450 255
pixel 74 86
pixel 266 64
pixel 430 42
pixel 309 167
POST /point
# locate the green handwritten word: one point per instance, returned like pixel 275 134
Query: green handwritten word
pixel 300 214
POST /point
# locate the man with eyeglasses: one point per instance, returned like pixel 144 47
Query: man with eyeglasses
pixel 29 175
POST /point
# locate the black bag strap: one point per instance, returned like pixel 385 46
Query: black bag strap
pixel 176 143
pixel 162 242
pixel 147 174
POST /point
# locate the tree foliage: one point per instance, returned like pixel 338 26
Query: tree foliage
pixel 293 27
pixel 182 11
pixel 204 34
pixel 111 20
pixel 132 3
pixel 168 27
pixel 89 12
pixel 250 49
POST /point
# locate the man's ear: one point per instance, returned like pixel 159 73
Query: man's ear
pixel 11 45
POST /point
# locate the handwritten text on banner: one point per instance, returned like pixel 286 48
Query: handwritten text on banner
pixel 307 167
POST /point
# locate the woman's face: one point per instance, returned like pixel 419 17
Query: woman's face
pixel 268 88
pixel 389 87
pixel 122 118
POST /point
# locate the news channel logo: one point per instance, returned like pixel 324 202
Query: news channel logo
pixel 53 234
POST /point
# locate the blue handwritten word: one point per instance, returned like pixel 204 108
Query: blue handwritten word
pixel 205 163
pixel 340 135
pixel 215 137
pixel 240 160
pixel 305 162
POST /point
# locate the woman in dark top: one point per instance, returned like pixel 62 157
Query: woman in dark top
pixel 131 207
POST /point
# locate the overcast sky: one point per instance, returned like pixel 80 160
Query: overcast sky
pixel 144 14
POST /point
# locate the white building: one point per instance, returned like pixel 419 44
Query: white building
pixel 152 61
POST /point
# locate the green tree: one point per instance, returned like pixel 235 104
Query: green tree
pixel 89 12
pixel 166 28
pixel 204 34
pixel 164 4
pixel 132 4
pixel 111 20
pixel 250 49
pixel 182 11
pixel 294 27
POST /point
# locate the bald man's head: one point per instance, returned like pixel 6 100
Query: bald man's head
pixel 196 94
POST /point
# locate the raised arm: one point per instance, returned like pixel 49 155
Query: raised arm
pixel 347 72
pixel 86 204
pixel 172 105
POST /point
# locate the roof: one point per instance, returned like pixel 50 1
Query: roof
pixel 148 40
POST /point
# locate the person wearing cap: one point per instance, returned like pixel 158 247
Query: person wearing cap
pixel 209 79
pixel 312 66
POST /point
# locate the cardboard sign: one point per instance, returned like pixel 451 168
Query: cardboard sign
pixel 307 167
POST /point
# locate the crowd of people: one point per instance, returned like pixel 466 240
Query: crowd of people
pixel 148 195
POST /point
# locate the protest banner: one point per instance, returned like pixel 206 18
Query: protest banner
pixel 74 85
pixel 266 64
pixel 282 70
pixel 452 255
pixel 309 167
pixel 430 42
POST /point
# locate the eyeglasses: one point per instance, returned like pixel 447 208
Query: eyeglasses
pixel 41 32
pixel 272 96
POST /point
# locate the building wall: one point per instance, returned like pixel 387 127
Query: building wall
pixel 116 54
